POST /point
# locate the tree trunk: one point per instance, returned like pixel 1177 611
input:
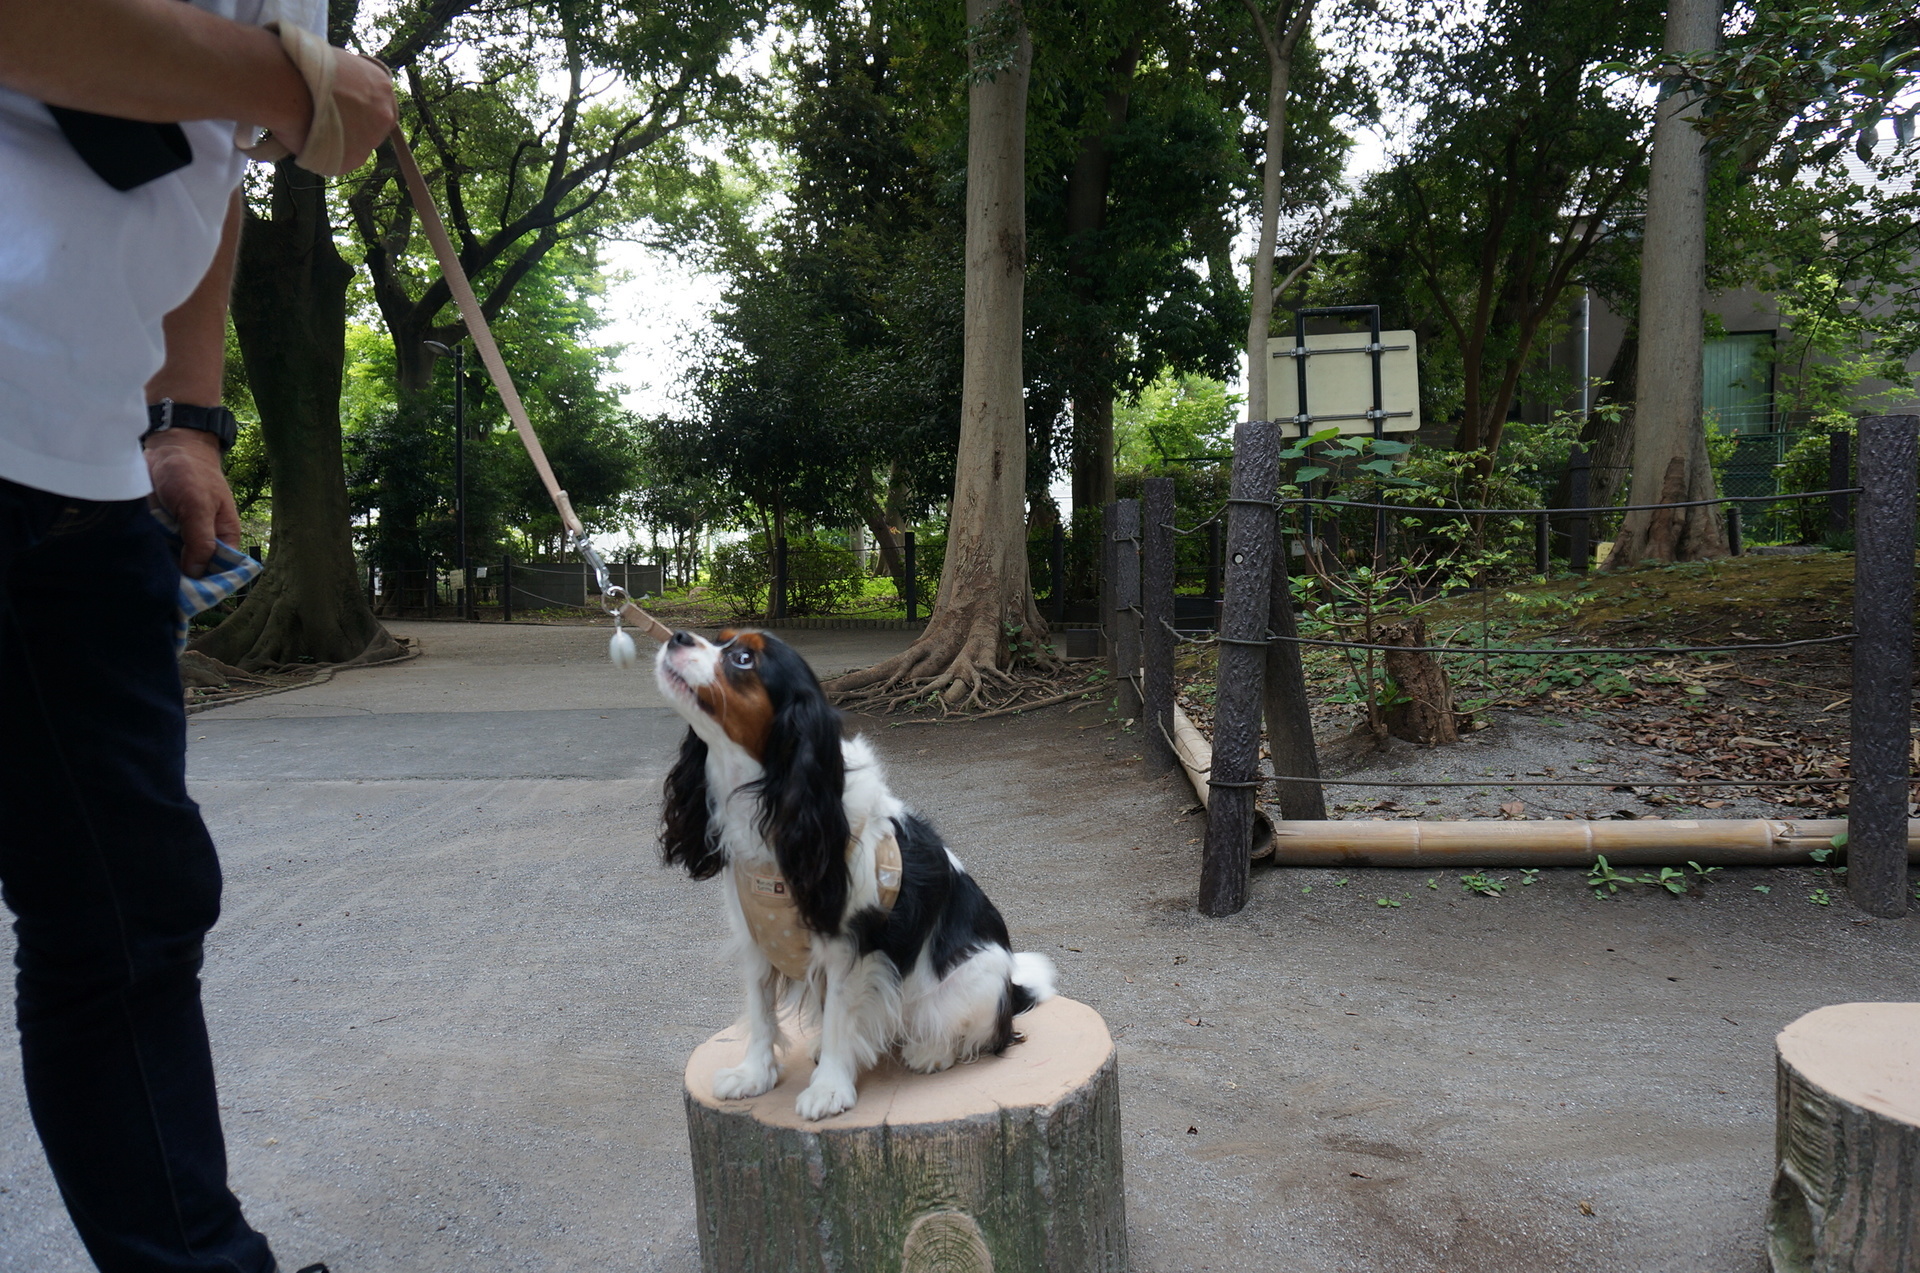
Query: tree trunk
pixel 1846 1192
pixel 1425 715
pixel 290 312
pixel 1089 185
pixel 1279 46
pixel 984 593
pixel 1011 1164
pixel 1669 431
pixel 1609 442
pixel 1092 450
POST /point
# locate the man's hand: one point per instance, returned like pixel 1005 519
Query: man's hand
pixel 164 62
pixel 363 93
pixel 188 482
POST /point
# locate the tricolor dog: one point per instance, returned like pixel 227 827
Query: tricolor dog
pixel 836 893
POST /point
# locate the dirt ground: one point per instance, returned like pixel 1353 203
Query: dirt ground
pixel 452 993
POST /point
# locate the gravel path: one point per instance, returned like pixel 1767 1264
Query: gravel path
pixel 452 994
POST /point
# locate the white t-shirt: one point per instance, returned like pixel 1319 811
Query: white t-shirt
pixel 87 273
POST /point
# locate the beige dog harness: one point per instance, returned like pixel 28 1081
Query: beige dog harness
pixel 775 921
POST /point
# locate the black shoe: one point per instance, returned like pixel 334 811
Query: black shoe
pixel 315 1268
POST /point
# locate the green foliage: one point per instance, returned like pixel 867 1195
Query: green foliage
pixel 1177 417
pixel 822 576
pixel 1801 85
pixel 1506 195
pixel 400 453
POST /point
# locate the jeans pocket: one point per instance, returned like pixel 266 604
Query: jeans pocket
pixel 80 516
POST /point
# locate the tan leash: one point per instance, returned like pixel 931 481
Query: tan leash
pixel 324 154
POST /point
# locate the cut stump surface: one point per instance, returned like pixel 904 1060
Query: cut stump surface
pixel 1846 1190
pixel 1009 1165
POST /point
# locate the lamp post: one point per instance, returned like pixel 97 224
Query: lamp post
pixel 459 353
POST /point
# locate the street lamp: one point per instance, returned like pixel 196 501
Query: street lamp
pixel 459 353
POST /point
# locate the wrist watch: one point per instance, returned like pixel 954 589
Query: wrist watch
pixel 168 414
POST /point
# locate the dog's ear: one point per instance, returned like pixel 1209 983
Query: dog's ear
pixel 801 812
pixel 686 838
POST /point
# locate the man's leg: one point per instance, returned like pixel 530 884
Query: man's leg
pixel 113 882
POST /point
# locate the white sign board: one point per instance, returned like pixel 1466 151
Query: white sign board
pixel 1340 383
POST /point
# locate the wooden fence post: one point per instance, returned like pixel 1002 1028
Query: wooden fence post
pixel 1882 665
pixel 1212 585
pixel 1839 470
pixel 1156 621
pixel 1125 632
pixel 777 604
pixel 1243 656
pixel 1289 722
pixel 506 589
pixel 1057 603
pixel 1579 493
pixel 1105 569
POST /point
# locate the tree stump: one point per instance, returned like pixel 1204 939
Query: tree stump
pixel 1008 1165
pixel 1846 1190
pixel 1425 713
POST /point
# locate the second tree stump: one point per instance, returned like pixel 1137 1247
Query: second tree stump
pixel 1846 1193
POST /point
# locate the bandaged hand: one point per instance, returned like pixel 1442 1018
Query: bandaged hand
pixel 353 107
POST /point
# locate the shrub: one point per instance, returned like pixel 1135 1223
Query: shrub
pixel 822 576
pixel 741 573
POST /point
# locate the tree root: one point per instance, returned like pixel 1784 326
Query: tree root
pixel 959 692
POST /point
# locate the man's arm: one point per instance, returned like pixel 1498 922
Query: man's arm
pixel 163 62
pixel 185 463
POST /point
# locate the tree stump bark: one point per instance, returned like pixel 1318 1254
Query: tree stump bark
pixel 1008 1165
pixel 1846 1190
pixel 1425 715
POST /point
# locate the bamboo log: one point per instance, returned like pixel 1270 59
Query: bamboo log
pixel 1011 1163
pixel 1663 842
pixel 1195 755
pixel 1846 1189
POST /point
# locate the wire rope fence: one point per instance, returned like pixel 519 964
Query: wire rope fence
pixel 1261 674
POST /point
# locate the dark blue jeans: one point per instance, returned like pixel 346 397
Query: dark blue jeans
pixel 113 883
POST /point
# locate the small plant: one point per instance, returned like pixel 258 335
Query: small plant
pixel 1434 882
pixel 1529 875
pixel 1603 876
pixel 1820 897
pixel 1821 855
pixel 1482 883
pixel 1384 901
pixel 1702 871
pixel 1673 881
pixel 1341 882
pixel 1763 888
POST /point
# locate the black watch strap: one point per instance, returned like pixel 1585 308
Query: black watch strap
pixel 168 414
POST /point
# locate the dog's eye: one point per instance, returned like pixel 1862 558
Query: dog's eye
pixel 740 658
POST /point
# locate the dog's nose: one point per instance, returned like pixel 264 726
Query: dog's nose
pixel 682 637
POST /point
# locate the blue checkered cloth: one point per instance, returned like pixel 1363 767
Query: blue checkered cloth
pixel 228 571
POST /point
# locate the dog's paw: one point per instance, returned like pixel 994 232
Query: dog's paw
pixel 927 1058
pixel 737 1082
pixel 824 1098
